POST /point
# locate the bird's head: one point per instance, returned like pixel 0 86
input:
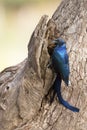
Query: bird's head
pixel 57 42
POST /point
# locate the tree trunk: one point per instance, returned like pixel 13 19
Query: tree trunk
pixel 24 104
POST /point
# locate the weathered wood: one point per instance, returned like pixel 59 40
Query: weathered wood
pixel 23 88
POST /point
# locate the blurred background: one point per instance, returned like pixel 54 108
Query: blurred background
pixel 18 19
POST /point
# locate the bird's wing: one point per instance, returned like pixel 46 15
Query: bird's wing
pixel 61 63
pixel 66 69
pixel 66 58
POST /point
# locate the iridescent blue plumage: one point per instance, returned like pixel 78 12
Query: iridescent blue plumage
pixel 60 63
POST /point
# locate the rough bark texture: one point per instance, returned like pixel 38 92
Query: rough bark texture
pixel 23 88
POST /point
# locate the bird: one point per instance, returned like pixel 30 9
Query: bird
pixel 60 62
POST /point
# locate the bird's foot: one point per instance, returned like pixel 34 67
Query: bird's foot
pixel 49 65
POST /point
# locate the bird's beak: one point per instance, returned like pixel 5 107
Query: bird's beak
pixel 52 44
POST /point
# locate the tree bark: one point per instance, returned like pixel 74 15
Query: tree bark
pixel 25 89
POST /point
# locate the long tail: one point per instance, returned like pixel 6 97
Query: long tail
pixel 57 89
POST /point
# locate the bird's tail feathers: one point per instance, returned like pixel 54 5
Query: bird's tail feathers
pixel 57 89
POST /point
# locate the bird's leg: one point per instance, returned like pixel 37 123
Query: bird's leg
pixel 49 65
